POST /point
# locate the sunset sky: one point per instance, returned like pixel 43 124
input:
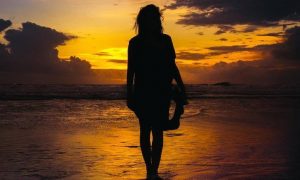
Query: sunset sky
pixel 213 40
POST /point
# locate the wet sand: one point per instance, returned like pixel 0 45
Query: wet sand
pixel 93 139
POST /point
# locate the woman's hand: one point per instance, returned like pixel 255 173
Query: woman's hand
pixel 184 98
pixel 179 95
pixel 130 102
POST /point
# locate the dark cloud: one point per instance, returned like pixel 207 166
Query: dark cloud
pixel 33 47
pixel 289 49
pixel 4 54
pixel 275 34
pixel 200 33
pixel 228 13
pixel 118 61
pixel 218 50
pixel 228 48
pixel 31 57
pixel 32 50
pixel 4 24
pixel 102 54
pixel 285 50
pixel 280 64
pixel 189 56
pixel 250 28
pixel 233 12
pixel 223 39
pixel 224 28
pixel 227 28
pixel 243 72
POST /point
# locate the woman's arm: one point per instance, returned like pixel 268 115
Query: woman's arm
pixel 178 79
pixel 176 73
pixel 130 77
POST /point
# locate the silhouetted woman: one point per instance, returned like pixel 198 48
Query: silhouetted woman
pixel 151 69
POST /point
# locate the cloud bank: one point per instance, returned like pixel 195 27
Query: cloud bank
pixel 227 13
pixel 280 64
pixel 30 56
pixel 4 24
pixel 232 12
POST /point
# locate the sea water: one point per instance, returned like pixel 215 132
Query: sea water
pixel 87 132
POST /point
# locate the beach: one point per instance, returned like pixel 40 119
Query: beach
pixel 71 70
pixel 219 138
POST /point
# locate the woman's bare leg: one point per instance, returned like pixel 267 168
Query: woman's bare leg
pixel 157 146
pixel 145 145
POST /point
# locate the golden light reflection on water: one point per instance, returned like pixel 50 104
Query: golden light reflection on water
pixel 115 152
pixel 214 141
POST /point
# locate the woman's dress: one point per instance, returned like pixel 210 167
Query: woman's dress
pixel 153 61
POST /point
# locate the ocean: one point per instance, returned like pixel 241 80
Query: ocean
pixel 87 132
pixel 113 92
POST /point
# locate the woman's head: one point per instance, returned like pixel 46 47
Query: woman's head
pixel 148 20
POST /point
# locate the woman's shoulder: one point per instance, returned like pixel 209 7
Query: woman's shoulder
pixel 138 37
pixel 134 39
pixel 166 37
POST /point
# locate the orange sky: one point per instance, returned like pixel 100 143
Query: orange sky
pixel 104 27
pixel 214 41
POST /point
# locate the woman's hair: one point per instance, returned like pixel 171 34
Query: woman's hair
pixel 149 20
